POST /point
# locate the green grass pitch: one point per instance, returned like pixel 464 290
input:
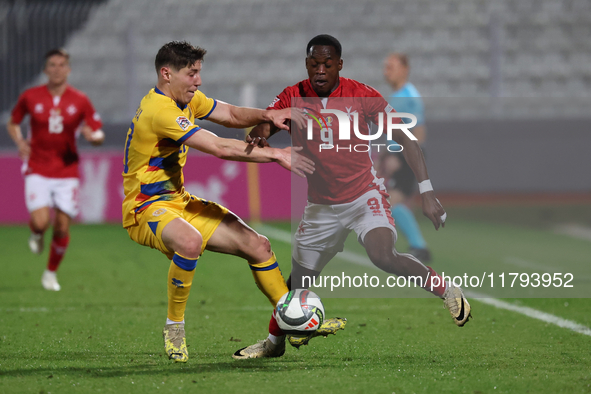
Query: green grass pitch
pixel 102 332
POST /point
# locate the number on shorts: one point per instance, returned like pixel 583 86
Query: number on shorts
pixel 374 205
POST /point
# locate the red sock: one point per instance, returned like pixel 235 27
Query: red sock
pixel 58 250
pixel 435 283
pixel 274 327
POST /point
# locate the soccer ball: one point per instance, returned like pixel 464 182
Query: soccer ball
pixel 299 312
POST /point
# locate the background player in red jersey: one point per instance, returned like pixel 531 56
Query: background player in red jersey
pixel 57 112
pixel 344 192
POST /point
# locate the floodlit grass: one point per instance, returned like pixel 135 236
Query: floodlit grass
pixel 102 332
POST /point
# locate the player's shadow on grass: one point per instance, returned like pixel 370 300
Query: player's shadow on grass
pixel 158 367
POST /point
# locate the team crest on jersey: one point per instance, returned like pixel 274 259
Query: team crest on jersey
pixel 183 122
pixel 159 212
pixel 38 108
pixel 71 110
pixel 329 120
pixel 275 101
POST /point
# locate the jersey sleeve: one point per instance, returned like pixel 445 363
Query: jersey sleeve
pixel 20 109
pixel 171 122
pixel 282 101
pixel 376 105
pixel 201 105
pixel 91 117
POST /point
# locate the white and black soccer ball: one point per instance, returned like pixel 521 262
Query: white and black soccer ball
pixel 299 312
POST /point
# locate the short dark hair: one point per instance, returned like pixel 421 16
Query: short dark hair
pixel 178 54
pixel 56 51
pixel 325 39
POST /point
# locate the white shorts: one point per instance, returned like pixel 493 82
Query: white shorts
pixel 324 228
pixel 60 193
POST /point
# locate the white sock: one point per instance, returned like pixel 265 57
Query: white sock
pixel 276 339
pixel 168 321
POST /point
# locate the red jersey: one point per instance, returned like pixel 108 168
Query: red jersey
pixel 346 171
pixel 54 122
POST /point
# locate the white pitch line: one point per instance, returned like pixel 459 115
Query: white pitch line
pixel 533 313
pixel 355 258
pixel 273 233
pixel 574 230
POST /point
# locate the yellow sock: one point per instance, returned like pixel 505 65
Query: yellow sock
pixel 180 278
pixel 268 278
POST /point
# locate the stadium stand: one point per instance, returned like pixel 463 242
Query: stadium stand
pixel 543 52
pixel 470 53
pixel 27 30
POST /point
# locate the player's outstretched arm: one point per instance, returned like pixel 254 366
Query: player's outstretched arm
pixel 14 130
pixel 414 157
pixel 95 137
pixel 232 116
pixel 236 150
pixel 259 134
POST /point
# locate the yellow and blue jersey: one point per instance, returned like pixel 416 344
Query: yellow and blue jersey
pixel 154 152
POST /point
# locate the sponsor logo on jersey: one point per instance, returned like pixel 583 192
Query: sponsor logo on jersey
pixel 183 122
pixel 159 212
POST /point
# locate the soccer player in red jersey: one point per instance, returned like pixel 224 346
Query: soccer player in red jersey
pixel 344 192
pixel 57 113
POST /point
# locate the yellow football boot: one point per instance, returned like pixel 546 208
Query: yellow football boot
pixel 175 343
pixel 329 326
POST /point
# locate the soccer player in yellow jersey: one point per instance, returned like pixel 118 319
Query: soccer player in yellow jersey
pixel 159 212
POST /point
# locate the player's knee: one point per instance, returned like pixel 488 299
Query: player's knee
pixel 261 246
pixel 265 244
pixel 38 227
pixel 39 223
pixel 190 246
